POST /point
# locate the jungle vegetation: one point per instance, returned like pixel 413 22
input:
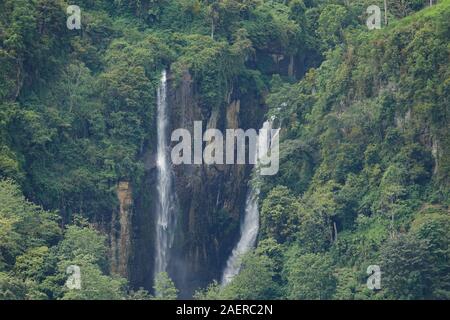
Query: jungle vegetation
pixel 365 143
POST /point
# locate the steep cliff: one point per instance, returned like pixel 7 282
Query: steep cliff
pixel 211 198
pixel 121 230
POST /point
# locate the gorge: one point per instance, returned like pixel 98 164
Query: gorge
pixel 188 205
pixel 86 177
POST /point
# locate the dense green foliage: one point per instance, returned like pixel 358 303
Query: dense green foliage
pixel 35 254
pixel 365 160
pixel 165 288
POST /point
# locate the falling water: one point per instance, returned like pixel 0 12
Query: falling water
pixel 250 226
pixel 165 214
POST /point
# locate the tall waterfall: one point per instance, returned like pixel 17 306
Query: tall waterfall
pixel 165 222
pixel 250 225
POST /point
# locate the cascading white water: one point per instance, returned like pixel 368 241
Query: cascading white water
pixel 249 232
pixel 250 226
pixel 165 214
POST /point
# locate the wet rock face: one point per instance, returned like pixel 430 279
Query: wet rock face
pixel 121 230
pixel 143 227
pixel 211 198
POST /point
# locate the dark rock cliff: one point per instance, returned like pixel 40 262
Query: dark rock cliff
pixel 211 198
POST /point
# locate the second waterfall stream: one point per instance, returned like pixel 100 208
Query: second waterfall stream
pixel 250 225
pixel 165 215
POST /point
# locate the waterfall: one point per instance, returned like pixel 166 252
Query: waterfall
pixel 249 232
pixel 250 226
pixel 165 220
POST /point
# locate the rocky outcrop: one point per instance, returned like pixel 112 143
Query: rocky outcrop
pixel 211 197
pixel 292 65
pixel 121 230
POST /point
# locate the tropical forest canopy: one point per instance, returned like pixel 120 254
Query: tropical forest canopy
pixel 364 156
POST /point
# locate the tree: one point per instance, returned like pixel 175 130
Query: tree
pixel 11 288
pixel 140 294
pixel 35 264
pixel 254 281
pixel 347 284
pixel 273 250
pixel 385 13
pixel 212 292
pixel 318 228
pixel 392 189
pixel 405 268
pixel 332 21
pixel 433 226
pixel 164 287
pixel 79 241
pixel 280 215
pixel 309 276
pixel 94 284
pixel 402 8
pixel 23 224
pixel 314 233
pixel 214 15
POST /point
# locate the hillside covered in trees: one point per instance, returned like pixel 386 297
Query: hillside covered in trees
pixel 364 173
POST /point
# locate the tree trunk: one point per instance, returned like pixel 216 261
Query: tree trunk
pixel 385 13
pixel 335 232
